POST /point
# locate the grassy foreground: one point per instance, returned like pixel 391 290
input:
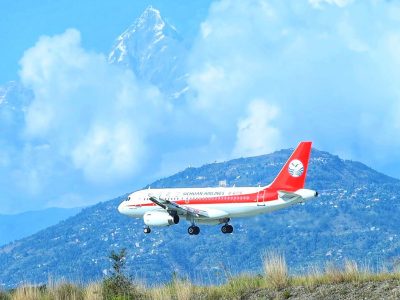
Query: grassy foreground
pixel 348 281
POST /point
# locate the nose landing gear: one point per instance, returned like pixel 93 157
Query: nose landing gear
pixel 147 230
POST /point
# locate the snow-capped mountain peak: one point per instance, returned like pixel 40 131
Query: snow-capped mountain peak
pixel 151 18
pixel 149 27
pixel 154 51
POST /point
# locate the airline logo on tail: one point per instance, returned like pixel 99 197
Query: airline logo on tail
pixel 296 168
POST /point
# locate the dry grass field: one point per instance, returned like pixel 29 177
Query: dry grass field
pixel 349 281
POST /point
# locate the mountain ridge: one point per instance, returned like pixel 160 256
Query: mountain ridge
pixel 323 156
pixel 19 225
pixel 353 218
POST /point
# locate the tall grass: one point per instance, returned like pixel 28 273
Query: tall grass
pixel 239 286
pixel 93 291
pixel 275 270
pixel 27 293
pixel 177 289
pixel 61 290
pixel 65 291
pixel 276 279
pixel 183 289
pixel 161 292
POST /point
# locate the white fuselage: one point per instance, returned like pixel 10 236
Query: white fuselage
pixel 220 203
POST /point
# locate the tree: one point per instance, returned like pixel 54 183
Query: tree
pixel 118 285
pixel 118 261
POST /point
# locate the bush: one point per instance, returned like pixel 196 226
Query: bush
pixel 119 287
pixel 4 295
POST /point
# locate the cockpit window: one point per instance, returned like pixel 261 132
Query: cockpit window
pixel 129 198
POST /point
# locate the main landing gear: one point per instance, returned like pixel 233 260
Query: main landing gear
pixel 194 230
pixel 147 230
pixel 227 228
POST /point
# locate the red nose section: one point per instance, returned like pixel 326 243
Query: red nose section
pixel 293 174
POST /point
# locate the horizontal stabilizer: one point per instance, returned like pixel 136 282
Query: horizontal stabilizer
pixel 299 195
pixel 288 196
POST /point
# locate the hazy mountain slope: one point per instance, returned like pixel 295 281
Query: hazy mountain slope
pixel 355 217
pixel 17 226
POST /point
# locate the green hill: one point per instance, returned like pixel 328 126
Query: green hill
pixel 355 217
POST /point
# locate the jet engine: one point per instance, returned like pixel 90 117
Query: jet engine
pixel 160 218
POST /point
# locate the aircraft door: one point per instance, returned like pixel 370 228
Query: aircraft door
pixel 261 198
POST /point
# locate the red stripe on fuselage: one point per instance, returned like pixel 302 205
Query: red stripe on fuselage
pixel 232 199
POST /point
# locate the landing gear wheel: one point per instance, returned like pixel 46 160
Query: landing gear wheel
pixel 193 230
pixel 227 228
pixel 190 230
pixel 147 230
pixel 176 219
pixel 196 230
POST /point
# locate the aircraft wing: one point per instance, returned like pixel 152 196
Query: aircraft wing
pixel 183 210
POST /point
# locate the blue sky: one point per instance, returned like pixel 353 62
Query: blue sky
pixel 100 22
pixel 264 75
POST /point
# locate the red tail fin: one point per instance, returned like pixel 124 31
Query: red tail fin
pixel 293 174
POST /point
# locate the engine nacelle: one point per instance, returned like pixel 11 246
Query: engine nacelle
pixel 307 194
pixel 160 218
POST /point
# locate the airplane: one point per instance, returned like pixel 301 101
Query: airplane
pixel 218 205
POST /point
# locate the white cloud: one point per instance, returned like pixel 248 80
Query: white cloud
pixel 331 73
pixel 86 131
pixel 227 66
pixel 92 114
pixel 256 134
pixel 115 151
